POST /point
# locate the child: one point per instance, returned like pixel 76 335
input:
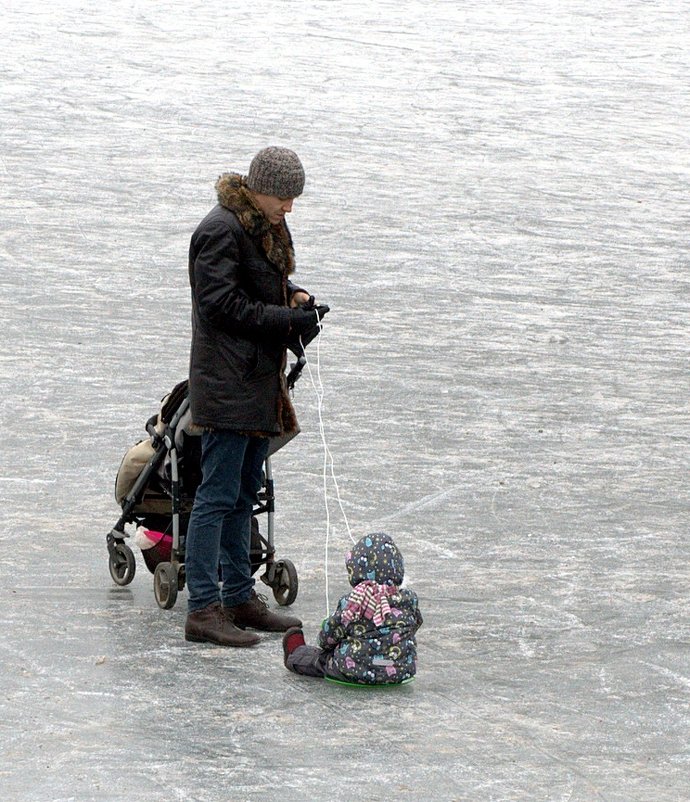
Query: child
pixel 370 638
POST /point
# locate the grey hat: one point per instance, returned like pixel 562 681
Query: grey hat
pixel 276 171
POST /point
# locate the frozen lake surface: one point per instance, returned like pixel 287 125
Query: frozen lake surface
pixel 497 212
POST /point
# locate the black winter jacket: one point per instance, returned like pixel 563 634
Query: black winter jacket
pixel 238 270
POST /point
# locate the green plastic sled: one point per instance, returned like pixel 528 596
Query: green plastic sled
pixel 370 687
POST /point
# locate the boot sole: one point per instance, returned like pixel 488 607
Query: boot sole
pixel 200 639
pixel 245 627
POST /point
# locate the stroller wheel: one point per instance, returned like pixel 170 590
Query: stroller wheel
pixel 122 564
pixel 165 585
pixel 285 583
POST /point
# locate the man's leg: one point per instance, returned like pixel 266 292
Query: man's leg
pixel 240 603
pixel 235 541
pixel 222 457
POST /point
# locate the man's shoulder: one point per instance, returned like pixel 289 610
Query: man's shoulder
pixel 220 218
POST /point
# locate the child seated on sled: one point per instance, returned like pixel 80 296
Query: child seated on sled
pixel 370 638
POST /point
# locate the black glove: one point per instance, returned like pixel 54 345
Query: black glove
pixel 304 320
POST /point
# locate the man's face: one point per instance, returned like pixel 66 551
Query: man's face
pixel 273 208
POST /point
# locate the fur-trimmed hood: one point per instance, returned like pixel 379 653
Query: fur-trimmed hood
pixel 275 240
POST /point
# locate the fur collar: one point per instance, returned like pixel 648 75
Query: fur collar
pixel 275 240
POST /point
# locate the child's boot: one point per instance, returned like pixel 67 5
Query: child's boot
pixel 293 638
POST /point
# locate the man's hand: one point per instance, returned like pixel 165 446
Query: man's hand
pixel 305 320
pixel 301 298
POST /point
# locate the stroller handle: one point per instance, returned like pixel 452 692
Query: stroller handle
pixel 295 371
pixel 151 430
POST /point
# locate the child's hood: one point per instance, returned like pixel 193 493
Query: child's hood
pixel 375 557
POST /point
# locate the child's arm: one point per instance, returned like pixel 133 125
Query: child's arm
pixel 332 631
pixel 417 612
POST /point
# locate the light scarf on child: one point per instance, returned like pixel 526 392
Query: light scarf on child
pixel 368 600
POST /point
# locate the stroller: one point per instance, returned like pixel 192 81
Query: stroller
pixel 155 486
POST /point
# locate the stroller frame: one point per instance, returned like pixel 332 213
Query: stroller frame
pixel 169 576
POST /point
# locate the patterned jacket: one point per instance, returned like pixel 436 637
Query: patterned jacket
pixel 370 638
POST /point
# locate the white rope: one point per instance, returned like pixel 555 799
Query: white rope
pixel 327 455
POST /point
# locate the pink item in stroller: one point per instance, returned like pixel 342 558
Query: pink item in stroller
pixel 156 547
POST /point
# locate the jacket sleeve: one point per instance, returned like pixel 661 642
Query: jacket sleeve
pixel 293 288
pixel 214 274
pixel 332 631
pixel 415 614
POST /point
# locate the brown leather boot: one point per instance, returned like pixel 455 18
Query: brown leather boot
pixel 209 625
pixel 255 614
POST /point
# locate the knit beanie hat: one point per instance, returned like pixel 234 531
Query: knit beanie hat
pixel 276 171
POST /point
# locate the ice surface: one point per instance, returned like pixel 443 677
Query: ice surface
pixel 496 211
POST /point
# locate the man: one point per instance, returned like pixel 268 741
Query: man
pixel 245 310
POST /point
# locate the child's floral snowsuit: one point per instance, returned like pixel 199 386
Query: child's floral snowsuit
pixel 371 634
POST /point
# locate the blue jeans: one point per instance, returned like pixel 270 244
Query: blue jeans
pixel 219 531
